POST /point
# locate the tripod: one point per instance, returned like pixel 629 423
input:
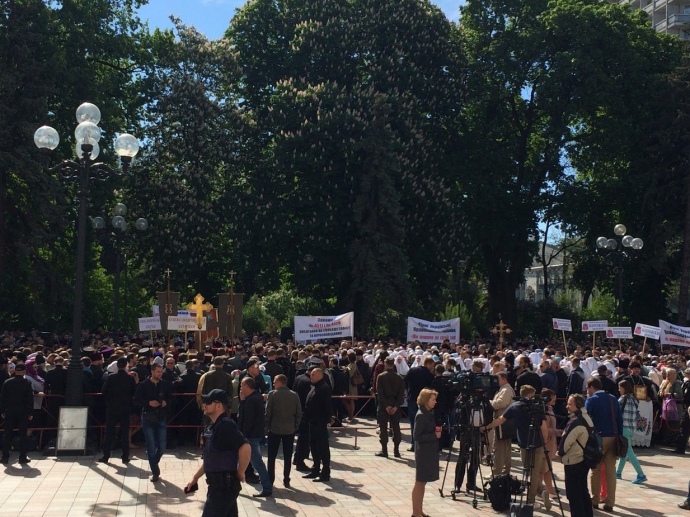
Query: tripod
pixel 469 417
pixel 529 460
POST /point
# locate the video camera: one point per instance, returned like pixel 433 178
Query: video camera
pixel 534 407
pixel 470 383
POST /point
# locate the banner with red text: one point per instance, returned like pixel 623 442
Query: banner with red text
pixel 311 328
pixel 674 335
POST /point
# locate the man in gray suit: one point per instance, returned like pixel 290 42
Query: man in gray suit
pixel 283 415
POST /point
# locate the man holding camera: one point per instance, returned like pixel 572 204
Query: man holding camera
pixel 532 432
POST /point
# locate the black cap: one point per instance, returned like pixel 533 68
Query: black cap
pixel 88 350
pixel 144 351
pixel 20 367
pixel 216 395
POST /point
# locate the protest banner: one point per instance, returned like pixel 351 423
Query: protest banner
pixel 311 328
pixel 149 324
pixel 563 325
pixel 593 326
pixel 619 333
pixel 674 335
pixel 648 331
pixel 433 331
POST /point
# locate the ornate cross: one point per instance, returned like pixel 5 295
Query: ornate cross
pixel 199 307
pixel 168 305
pixel 501 329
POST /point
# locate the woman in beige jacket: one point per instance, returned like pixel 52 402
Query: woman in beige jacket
pixel 571 452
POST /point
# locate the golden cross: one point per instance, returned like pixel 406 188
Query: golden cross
pixel 167 272
pixel 501 329
pixel 199 307
pixel 232 279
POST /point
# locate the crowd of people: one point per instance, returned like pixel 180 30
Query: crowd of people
pixel 246 394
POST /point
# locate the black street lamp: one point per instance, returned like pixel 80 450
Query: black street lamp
pixel 119 224
pixel 82 171
pixel 617 251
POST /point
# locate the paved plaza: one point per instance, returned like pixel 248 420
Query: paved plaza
pixel 361 484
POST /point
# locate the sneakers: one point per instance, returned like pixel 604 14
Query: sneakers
pixel 546 499
pixel 639 479
pixel 24 460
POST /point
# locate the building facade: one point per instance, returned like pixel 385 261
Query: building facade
pixel 669 16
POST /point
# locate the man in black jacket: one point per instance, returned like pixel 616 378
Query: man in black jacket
pixel 526 377
pixel 302 386
pixel 154 395
pixel 318 411
pixel 118 392
pixel 16 407
pixel 252 424
pixel 418 378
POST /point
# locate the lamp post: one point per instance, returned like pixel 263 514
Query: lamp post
pixel 617 251
pixel 119 225
pixel 82 170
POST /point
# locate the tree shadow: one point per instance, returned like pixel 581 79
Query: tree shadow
pixel 341 486
pixel 336 465
pixel 666 490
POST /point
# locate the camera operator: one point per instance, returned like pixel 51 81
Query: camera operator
pixel 526 411
pixel 504 434
pixel 444 402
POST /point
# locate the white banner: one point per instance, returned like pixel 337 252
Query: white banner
pixel 595 325
pixel 433 331
pixel 559 324
pixel 619 333
pixel 146 324
pixel 674 335
pixel 310 328
pixel 184 323
pixel 649 331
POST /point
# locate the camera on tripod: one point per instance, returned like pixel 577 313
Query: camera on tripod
pixel 471 383
pixel 534 406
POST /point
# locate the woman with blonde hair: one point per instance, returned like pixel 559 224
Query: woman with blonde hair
pixel 426 436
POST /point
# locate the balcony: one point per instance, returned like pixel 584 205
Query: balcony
pixel 676 21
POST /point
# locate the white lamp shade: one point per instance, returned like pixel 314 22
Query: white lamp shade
pixel 120 209
pixel 88 112
pixel 141 224
pixel 87 130
pixel 612 244
pixel 637 243
pixel 118 222
pixel 602 242
pixel 46 137
pixel 620 229
pixel 627 241
pixel 126 146
pixel 94 152
pixel 98 223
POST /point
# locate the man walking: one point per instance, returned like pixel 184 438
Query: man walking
pixel 225 458
pixel 283 415
pixel 16 406
pixel 251 423
pixel 118 392
pixel 390 388
pixel 153 395
pixel 608 420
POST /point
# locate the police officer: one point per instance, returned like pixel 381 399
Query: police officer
pixel 225 458
pixel 16 406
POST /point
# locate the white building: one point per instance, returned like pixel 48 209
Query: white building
pixel 670 16
pixel 532 289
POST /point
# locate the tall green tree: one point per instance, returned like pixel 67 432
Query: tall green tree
pixel 551 83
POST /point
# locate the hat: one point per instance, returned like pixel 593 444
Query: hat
pixel 20 367
pixel 216 395
pixel 144 351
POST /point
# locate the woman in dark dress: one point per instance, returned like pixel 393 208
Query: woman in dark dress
pixel 426 436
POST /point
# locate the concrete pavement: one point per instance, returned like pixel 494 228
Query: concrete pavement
pixel 361 484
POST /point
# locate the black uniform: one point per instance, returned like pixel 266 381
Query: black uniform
pixel 318 410
pixel 222 442
pixel 16 404
pixel 118 394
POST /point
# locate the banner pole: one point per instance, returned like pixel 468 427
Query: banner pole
pixel 594 339
pixel 620 348
pixel 644 345
pixel 565 344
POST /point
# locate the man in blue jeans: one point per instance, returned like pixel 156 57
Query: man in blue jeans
pixel 154 395
pixel 251 422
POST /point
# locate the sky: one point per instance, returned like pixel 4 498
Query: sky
pixel 212 17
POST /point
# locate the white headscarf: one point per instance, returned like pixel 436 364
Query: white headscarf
pixel 401 365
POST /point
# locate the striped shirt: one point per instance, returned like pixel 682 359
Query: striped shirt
pixel 629 407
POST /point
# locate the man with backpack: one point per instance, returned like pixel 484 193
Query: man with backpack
pixel 572 453
pixel 608 421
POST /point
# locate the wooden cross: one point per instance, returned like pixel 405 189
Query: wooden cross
pixel 501 329
pixel 199 307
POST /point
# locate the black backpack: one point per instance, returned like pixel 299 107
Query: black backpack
pixel 498 489
pixel 593 451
